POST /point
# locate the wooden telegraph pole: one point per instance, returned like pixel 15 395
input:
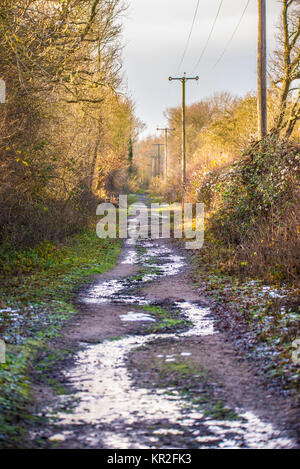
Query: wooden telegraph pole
pixel 166 130
pixel 183 159
pixel 262 70
pixel 158 167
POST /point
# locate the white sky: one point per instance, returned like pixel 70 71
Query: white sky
pixel 155 35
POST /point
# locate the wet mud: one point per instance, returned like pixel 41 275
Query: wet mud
pixel 151 369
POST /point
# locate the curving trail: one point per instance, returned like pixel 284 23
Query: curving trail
pixel 152 371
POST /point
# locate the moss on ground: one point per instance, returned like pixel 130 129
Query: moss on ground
pixel 37 289
pixel 168 320
pixel 185 377
pixel 268 316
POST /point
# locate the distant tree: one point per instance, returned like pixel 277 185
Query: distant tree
pixel 67 121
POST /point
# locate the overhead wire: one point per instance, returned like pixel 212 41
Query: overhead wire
pixel 189 36
pixel 209 36
pixel 232 36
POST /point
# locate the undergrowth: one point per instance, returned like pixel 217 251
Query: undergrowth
pixel 36 290
pixel 253 215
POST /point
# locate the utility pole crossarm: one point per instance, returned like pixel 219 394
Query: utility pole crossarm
pixel 183 78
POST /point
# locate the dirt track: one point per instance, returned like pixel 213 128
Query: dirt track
pixel 151 370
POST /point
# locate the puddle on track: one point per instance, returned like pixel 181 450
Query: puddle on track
pixel 108 400
pixel 123 416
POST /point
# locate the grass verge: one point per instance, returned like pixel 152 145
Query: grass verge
pixel 263 319
pixel 36 292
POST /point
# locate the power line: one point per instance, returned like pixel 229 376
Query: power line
pixel 233 34
pixel 209 36
pixel 189 37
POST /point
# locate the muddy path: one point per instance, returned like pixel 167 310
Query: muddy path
pixel 147 367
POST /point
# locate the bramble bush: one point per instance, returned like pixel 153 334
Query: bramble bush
pixel 254 209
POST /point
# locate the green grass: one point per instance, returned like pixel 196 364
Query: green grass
pixel 47 270
pixel 186 377
pixel 131 199
pixel 167 319
pixel 180 367
pixel 273 322
pixel 39 284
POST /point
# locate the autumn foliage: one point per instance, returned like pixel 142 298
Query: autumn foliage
pixel 66 123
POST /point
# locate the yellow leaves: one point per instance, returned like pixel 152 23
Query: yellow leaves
pixel 243 264
pixel 23 161
pixel 19 159
pixel 16 38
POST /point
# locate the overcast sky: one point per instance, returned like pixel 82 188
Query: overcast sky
pixel 156 33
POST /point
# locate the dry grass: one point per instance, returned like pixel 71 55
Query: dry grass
pixel 273 251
